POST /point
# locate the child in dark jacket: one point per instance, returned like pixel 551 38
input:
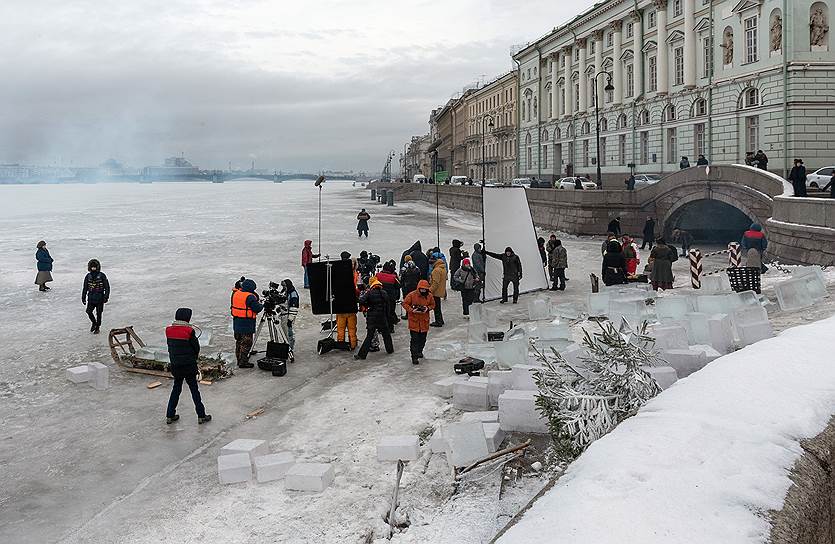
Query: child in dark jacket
pixel 95 294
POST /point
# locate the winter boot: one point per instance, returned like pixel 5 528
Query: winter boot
pixel 205 419
pixel 170 420
pixel 415 360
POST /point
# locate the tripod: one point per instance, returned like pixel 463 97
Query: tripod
pixel 277 331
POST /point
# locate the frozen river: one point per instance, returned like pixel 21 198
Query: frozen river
pixel 81 465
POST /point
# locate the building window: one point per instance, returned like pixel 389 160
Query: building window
pixel 653 73
pixel 651 19
pixel 708 56
pixel 643 119
pixel 604 125
pixel 534 108
pixel 550 104
pixel 629 29
pixel 585 128
pixel 602 158
pixel 586 153
pixel 672 146
pixel 609 97
pixel 700 107
pixel 571 153
pixel 622 149
pixel 544 156
pixel 678 59
pixel 644 147
pixel 530 158
pixel 621 123
pixel 752 133
pixel 592 45
pixel 670 113
pixel 751 39
pixel 562 100
pixel 750 98
pixel 577 96
pixel 699 138
pixel 630 80
pixel 676 8
pixel 609 39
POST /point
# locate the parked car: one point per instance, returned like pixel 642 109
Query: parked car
pixel 458 180
pixel 520 182
pixel 819 178
pixel 541 184
pixel 644 180
pixel 419 178
pixel 570 183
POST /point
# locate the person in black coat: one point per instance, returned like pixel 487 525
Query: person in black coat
pixel 797 177
pixel 614 265
pixel 762 160
pixel 540 243
pixel 183 349
pixel 376 302
pixel 409 276
pixel 419 258
pixel 95 294
pixel 455 256
pixel 511 271
pixel 614 226
pixel 45 261
pixel 649 233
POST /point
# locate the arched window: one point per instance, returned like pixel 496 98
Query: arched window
pixel 699 108
pixel 643 118
pixel 569 131
pixel 557 135
pixel 528 138
pixel 750 98
pixel 670 113
pixel 604 125
pixel 585 129
pixel 534 107
pixel 545 135
pixel 621 123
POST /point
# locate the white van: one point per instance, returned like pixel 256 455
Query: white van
pixel 458 180
pixel 419 178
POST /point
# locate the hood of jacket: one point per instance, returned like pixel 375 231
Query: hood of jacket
pixel 415 247
pixel 457 243
pixel 308 243
pixel 756 227
pixel 374 283
pixel 439 263
pixel 613 247
pixel 248 286
pixel 423 284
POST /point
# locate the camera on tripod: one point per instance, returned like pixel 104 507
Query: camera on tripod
pixel 273 297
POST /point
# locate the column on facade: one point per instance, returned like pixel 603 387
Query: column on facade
pixel 689 43
pixel 600 82
pixel 637 54
pixel 663 58
pixel 582 44
pixel 617 65
pixel 555 75
pixel 569 87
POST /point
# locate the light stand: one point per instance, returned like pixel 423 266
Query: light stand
pixel 320 181
pixel 609 87
pixel 483 181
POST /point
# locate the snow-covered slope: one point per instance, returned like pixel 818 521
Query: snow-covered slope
pixel 705 460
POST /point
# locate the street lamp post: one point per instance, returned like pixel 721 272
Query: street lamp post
pixel 609 87
pixel 486 122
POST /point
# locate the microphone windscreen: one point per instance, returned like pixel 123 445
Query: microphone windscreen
pixel 319 181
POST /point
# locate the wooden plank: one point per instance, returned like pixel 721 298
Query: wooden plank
pixel 255 413
pixel 153 385
pixel 205 382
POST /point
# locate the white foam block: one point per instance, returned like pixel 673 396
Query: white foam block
pixel 523 377
pixel 517 412
pixel 754 332
pixel 494 436
pixel 398 448
pixel 314 477
pixel 234 468
pixel 665 376
pixel 146 353
pixel 465 443
pixel 79 374
pixel 100 378
pixel 484 417
pixel 470 395
pixel 685 361
pixel 253 448
pixel 497 382
pixel 443 388
pixel 273 466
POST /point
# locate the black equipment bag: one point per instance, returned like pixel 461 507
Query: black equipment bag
pixel 468 365
pixel 277 366
pixel 495 336
pixel 325 345
pixel 278 350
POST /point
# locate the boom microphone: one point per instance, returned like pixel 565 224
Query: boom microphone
pixel 319 181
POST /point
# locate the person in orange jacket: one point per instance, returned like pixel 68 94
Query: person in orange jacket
pixel 418 304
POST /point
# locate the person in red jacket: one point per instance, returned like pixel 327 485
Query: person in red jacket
pixel 183 349
pixel 307 258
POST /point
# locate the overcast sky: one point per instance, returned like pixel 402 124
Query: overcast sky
pixel 294 85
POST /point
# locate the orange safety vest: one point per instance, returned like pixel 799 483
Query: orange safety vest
pixel 238 305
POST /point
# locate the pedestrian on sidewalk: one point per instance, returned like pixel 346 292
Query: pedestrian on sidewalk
pixel 661 260
pixel 468 280
pixel 183 350
pixel 437 283
pixel 307 258
pixel 362 222
pixel 614 226
pixel 376 302
pixel 762 160
pixel 684 163
pixel 701 161
pixel 797 177
pixel 95 294
pixel 455 256
pixel 558 262
pixel 418 304
pixel 649 233
pixel 44 260
pixel 511 272
pixel 244 307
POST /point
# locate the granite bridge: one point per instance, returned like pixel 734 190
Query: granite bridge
pixel 716 205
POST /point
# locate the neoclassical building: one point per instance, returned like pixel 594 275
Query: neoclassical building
pixel 491 151
pixel 719 78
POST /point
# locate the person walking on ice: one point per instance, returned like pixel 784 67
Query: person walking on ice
pixel 362 223
pixel 44 267
pixel 95 294
pixel 183 349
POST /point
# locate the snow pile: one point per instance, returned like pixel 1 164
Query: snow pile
pixel 705 460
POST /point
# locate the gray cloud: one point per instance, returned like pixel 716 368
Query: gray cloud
pixel 87 87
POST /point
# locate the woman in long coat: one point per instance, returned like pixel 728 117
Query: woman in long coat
pixel 44 267
pixel 662 258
